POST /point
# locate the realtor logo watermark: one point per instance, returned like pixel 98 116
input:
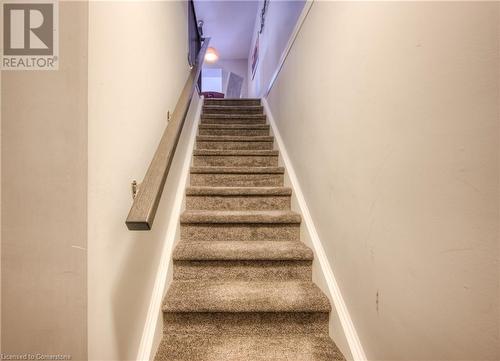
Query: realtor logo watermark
pixel 30 35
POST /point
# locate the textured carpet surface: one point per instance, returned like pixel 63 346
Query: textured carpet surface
pixel 240 217
pixel 249 250
pixel 246 348
pixel 246 191
pixel 238 170
pixel 244 296
pixel 242 285
pixel 235 152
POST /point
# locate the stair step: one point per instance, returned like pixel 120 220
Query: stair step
pixel 246 132
pixel 234 121
pixel 238 198
pixel 234 142
pixel 241 270
pixel 240 217
pixel 232 101
pixel 238 158
pixel 236 109
pixel 245 296
pixel 234 129
pixel 236 152
pixel 237 176
pixel 242 191
pixel 256 347
pixel 238 170
pixel 238 191
pixel 244 261
pixel 234 126
pixel 266 323
pixel 233 116
pixel 242 251
pixel 203 226
pixel 225 119
pixel 234 138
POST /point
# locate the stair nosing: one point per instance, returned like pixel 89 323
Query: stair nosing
pixel 231 99
pixel 234 126
pixel 230 116
pixel 240 217
pixel 301 251
pixel 236 152
pixel 211 106
pixel 317 303
pixel 236 170
pixel 238 191
pixel 249 346
pixel 242 152
pixel 234 138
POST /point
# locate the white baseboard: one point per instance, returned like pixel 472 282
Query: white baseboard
pixel 349 331
pixel 154 319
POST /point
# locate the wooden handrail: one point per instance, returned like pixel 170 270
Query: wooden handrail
pixel 143 210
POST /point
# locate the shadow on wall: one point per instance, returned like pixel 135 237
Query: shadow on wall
pixel 140 257
pixel 271 35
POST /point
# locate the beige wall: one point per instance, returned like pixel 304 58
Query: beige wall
pixel 1 32
pixel 390 115
pixel 44 213
pixel 137 67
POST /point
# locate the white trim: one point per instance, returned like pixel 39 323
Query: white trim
pixel 350 333
pixel 148 334
pixel 288 47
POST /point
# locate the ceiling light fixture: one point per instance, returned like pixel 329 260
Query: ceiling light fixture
pixel 211 55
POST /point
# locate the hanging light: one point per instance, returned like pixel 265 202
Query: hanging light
pixel 211 55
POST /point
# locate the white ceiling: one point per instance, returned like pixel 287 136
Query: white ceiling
pixel 230 24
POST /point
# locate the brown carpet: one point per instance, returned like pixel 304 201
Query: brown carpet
pixel 242 287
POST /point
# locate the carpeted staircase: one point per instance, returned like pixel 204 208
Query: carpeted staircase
pixel 242 288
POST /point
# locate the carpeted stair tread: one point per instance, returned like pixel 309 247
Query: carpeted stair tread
pixel 248 130
pixel 234 116
pixel 238 191
pixel 233 126
pixel 238 170
pixel 234 138
pixel 214 108
pixel 235 158
pixel 238 198
pixel 255 347
pixel 232 101
pixel 224 100
pixel 246 323
pixel 245 296
pixel 235 152
pixel 233 119
pixel 242 250
pixel 259 217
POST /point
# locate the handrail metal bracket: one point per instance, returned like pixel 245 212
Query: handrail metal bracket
pixel 135 188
